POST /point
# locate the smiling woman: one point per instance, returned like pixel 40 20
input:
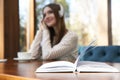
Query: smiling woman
pixel 53 40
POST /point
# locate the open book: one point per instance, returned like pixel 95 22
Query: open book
pixel 83 66
pixel 78 66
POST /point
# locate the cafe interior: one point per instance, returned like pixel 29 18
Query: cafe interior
pixel 90 19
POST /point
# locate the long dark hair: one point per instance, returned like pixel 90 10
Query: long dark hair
pixel 61 28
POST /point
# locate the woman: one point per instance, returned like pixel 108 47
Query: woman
pixel 53 40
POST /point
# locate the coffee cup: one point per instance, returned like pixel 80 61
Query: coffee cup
pixel 24 55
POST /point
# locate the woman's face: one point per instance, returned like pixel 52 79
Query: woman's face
pixel 49 17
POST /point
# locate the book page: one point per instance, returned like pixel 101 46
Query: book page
pixel 56 66
pixel 91 66
pixel 83 52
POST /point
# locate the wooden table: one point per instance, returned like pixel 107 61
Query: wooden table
pixel 12 70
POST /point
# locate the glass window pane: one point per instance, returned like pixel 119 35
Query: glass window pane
pixel 89 20
pixel 23 15
pixel 116 22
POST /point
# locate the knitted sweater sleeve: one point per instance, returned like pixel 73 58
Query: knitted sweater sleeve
pixel 35 46
pixel 64 47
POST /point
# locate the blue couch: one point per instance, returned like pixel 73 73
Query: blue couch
pixel 103 54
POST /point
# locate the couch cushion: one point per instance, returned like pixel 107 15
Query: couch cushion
pixel 103 53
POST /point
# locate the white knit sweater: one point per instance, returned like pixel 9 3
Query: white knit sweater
pixel 66 49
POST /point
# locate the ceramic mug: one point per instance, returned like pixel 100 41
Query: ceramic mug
pixel 24 55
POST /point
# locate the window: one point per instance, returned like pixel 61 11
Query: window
pixel 89 20
pixel 116 22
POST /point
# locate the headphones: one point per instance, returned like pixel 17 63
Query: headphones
pixel 61 11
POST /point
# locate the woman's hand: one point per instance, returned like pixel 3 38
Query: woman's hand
pixel 42 26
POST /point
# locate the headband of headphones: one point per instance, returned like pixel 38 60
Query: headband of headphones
pixel 61 11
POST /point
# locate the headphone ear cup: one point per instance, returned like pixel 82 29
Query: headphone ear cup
pixel 61 11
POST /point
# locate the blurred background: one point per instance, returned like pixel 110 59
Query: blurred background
pixel 90 19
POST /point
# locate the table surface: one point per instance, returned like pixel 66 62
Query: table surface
pixel 27 70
